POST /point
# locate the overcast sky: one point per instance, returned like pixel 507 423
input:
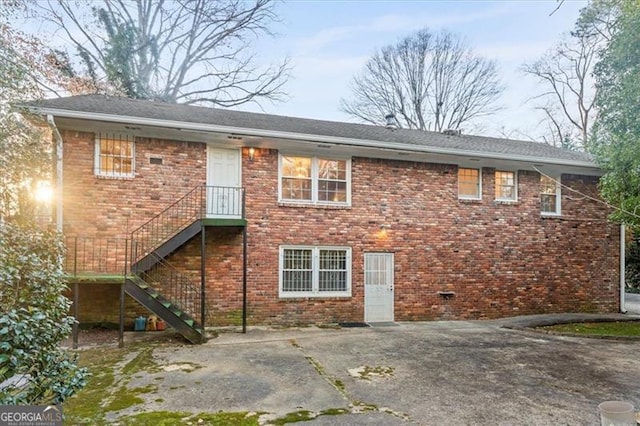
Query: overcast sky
pixel 330 41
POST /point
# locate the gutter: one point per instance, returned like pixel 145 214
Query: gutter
pixel 243 131
pixel 59 186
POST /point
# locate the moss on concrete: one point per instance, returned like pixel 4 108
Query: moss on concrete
pixel 169 418
pixel 106 389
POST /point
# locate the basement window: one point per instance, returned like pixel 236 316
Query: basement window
pixel 315 271
pixel 114 156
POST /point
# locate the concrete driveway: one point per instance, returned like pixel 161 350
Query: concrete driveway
pixel 434 373
pixel 632 303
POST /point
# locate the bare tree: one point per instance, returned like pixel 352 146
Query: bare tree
pixel 430 82
pixel 565 73
pixel 187 51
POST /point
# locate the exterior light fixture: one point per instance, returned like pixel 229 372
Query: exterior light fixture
pixel 382 234
pixel 43 192
pixel 252 153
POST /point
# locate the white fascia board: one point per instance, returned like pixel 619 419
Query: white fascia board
pixel 244 131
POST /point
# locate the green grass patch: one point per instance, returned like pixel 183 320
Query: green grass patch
pixel 614 328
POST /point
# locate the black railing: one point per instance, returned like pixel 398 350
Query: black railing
pixel 200 202
pixel 167 223
pixel 115 256
pixel 224 201
pixel 174 286
pixel 96 256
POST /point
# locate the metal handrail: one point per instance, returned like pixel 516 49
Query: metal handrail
pixel 113 257
pixel 201 201
pixel 174 285
pixel 95 256
pixel 167 223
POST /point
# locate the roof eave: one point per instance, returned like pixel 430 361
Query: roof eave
pixel 200 127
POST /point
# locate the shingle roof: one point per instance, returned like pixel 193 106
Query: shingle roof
pixel 124 107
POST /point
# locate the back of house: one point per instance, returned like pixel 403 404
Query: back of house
pixel 215 215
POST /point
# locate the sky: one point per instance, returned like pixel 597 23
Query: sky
pixel 328 42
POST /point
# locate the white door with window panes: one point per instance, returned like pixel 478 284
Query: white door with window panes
pixel 378 287
pixel 224 193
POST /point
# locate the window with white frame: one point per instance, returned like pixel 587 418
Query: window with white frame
pixel 315 271
pixel 506 186
pixel 314 180
pixel 469 184
pixel 114 156
pixel 550 195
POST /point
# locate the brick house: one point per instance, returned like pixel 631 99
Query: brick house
pixel 215 214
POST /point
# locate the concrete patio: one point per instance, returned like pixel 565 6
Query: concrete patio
pixel 433 373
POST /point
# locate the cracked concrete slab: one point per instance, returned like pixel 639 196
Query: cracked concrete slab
pixel 471 372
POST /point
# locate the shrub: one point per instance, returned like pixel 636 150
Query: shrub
pixel 33 366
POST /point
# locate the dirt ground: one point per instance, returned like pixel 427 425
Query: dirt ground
pixel 93 337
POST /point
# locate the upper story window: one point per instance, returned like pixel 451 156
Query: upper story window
pixel 506 186
pixel 315 271
pixel 549 195
pixel 469 184
pixel 314 180
pixel 114 156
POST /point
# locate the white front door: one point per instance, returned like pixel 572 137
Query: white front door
pixel 378 287
pixel 224 193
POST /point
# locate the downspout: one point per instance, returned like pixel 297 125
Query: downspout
pixel 58 137
pixel 622 267
pixel 76 289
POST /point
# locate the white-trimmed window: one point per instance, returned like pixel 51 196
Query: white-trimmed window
pixel 114 156
pixel 314 180
pixel 550 195
pixel 308 271
pixel 506 186
pixel 469 184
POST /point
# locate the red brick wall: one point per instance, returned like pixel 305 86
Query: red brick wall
pixel 99 305
pixel 105 207
pixel 500 259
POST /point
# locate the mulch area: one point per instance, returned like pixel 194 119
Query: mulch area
pixel 93 337
pixel 105 337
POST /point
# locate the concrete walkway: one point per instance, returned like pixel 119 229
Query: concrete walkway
pixel 632 303
pixel 428 373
